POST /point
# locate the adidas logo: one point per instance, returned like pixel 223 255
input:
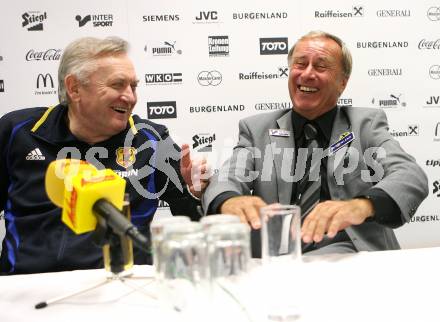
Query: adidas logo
pixel 35 154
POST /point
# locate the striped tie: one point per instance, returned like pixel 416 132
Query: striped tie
pixel 309 187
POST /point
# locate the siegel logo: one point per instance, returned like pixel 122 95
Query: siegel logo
pixel 209 78
pixel 126 156
pixel 161 18
pixel 33 20
pixel 98 20
pixel 389 101
pixel 49 54
pixel 162 110
pixel 356 11
pixel 218 46
pixel 273 46
pixel 434 13
pixel 202 142
pixel 434 72
pixel 393 13
pixel 163 79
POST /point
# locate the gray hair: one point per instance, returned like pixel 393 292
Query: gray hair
pixel 347 60
pixel 79 59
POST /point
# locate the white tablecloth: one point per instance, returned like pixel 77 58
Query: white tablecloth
pixel 377 286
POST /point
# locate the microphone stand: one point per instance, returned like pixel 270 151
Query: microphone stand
pixel 105 236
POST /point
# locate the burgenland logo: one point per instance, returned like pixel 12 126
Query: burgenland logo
pixel 412 130
pixel 161 18
pixel 163 79
pixel 163 49
pixel 381 44
pixel 356 11
pixel 393 13
pixel 209 78
pixel 274 15
pixel 272 106
pixel 345 101
pixel 283 72
pixel 45 85
pixel 218 46
pixel 2 86
pixel 162 110
pixel 392 100
pixel 98 20
pixel 385 72
pixel 433 101
pixel 207 17
pixel 434 72
pixel 274 46
pixel 202 142
pixel 216 108
pixel 425 44
pixel 33 20
pixel 434 13
pixel 48 54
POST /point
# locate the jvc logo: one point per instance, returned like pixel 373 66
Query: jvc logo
pixel 44 79
pixel 433 100
pixel 207 15
pixel 162 110
pixel 165 78
pixel 273 46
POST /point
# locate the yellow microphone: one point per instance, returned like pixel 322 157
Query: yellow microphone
pixel 85 193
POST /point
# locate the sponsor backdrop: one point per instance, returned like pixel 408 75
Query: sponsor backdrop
pixel 203 65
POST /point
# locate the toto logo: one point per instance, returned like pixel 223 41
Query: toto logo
pixel 434 13
pixel 206 78
pixel 434 72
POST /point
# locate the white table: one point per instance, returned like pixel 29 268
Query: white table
pixel 377 286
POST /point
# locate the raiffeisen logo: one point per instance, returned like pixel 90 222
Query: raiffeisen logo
pixel 356 11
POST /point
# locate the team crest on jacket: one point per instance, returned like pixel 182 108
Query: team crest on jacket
pixel 125 156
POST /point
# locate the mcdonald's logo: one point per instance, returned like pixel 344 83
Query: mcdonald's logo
pixel 44 79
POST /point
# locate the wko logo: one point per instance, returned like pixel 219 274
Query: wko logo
pixel 45 85
pixel 207 17
pixel 203 142
pixel 99 20
pixel 33 20
pixel 2 86
pixel 163 79
pixel 273 46
pixel 162 110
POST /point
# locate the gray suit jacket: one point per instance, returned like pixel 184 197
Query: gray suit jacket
pixel 262 163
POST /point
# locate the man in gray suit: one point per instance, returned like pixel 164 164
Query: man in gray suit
pixel 363 184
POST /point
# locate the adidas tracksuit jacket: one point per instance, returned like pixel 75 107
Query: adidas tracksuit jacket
pixel 36 240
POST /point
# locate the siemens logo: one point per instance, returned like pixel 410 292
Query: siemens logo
pixel 160 18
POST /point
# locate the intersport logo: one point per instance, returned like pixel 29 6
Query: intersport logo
pixel 274 46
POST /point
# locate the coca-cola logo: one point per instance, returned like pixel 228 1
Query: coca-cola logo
pixel 49 54
pixel 429 44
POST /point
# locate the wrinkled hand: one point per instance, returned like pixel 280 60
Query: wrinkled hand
pixel 246 207
pixel 333 216
pixel 195 172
